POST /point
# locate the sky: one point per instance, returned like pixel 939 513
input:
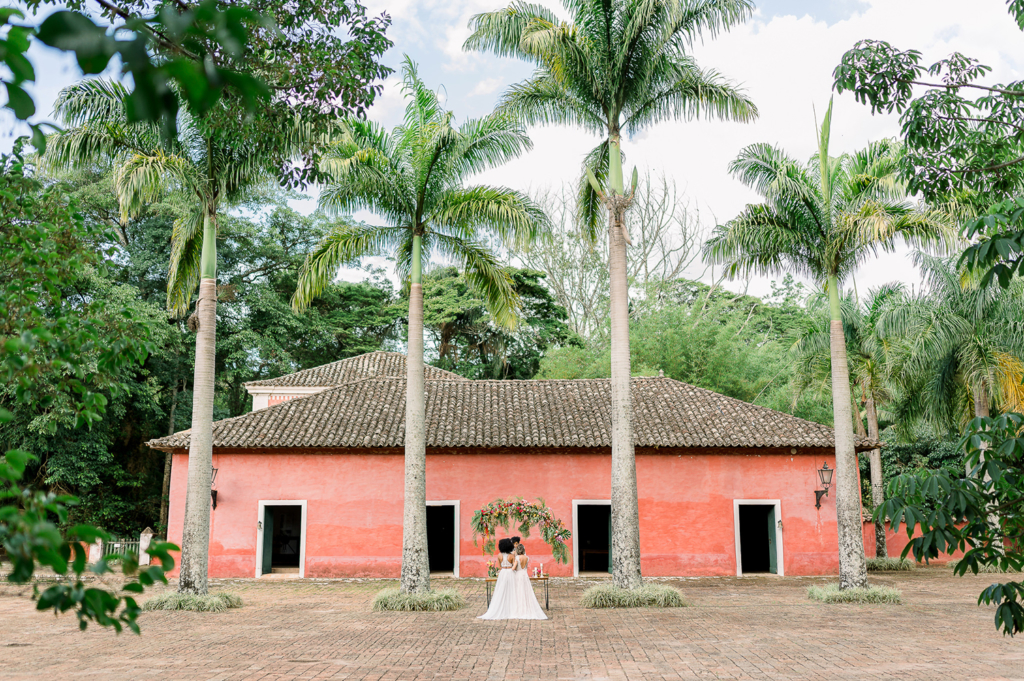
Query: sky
pixel 783 57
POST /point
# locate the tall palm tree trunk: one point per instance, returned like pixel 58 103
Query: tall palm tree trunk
pixel 877 480
pixel 415 561
pixel 166 488
pixel 195 536
pixel 852 567
pixel 625 507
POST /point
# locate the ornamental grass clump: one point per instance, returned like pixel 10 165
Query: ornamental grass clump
pixel 647 596
pixel 439 600
pixel 889 564
pixel 831 593
pixel 193 603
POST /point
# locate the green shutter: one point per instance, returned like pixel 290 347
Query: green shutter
pixel 773 559
pixel 268 538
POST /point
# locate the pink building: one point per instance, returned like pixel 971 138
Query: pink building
pixel 311 481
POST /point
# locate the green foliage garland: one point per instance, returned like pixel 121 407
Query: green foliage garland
pixel 503 512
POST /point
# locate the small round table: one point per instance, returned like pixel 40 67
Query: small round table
pixel 489 582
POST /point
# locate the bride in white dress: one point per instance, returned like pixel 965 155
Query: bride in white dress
pixel 513 597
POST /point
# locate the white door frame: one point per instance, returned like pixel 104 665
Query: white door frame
pixel 576 503
pixel 260 507
pixel 736 503
pixel 457 505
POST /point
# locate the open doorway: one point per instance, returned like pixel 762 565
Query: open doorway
pixel 592 522
pixel 758 537
pixel 443 537
pixel 281 538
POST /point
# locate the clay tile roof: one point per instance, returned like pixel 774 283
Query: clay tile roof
pixel 379 364
pixel 461 413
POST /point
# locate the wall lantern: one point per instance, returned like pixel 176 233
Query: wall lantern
pixel 825 476
pixel 213 492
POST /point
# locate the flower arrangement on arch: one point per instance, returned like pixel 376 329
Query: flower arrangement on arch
pixel 526 515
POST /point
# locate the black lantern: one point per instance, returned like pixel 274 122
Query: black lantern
pixel 825 476
pixel 213 492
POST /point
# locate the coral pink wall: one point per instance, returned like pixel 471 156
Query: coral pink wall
pixel 354 504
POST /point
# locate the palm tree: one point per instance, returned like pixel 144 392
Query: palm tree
pixel 869 365
pixel 960 346
pixel 208 173
pixel 614 68
pixel 413 177
pixel 823 219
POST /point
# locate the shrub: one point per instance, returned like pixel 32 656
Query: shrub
pixel 433 601
pixel 889 564
pixel 984 568
pixel 193 603
pixel 831 593
pixel 647 596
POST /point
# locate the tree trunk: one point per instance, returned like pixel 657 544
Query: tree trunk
pixel 877 480
pixel 981 410
pixel 165 495
pixel 415 562
pixel 852 568
pixel 625 547
pixel 195 536
pixel 861 433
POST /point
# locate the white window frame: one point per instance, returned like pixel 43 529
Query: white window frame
pixel 576 503
pixel 779 556
pixel 260 509
pixel 458 509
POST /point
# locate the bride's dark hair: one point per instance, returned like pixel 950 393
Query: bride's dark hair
pixel 505 545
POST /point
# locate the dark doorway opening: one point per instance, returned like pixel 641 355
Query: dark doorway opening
pixel 757 538
pixel 593 537
pixel 441 538
pixel 282 538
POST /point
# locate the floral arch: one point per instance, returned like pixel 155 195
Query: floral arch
pixel 526 515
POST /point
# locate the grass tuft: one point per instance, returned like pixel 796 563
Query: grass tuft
pixel 440 600
pixel 983 569
pixel 889 564
pixel 831 593
pixel 647 596
pixel 193 603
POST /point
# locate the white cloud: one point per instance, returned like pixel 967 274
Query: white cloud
pixel 486 86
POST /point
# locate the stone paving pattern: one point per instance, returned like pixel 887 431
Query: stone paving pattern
pixel 749 628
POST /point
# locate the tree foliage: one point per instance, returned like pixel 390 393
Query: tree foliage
pixel 466 339
pixel 978 514
pixel 58 358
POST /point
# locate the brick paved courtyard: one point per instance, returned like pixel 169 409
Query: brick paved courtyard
pixel 752 628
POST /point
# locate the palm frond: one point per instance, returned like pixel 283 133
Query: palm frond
pixel 687 93
pixel 186 254
pixel 587 200
pixel 501 31
pixel 345 244
pixel 513 215
pixel 485 273
pixel 144 178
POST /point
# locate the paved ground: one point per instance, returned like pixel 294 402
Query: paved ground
pixel 751 628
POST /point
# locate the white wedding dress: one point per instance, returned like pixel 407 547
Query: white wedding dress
pixel 513 597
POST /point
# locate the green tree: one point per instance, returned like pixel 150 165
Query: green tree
pixel 59 355
pixel 961 346
pixel 466 339
pixel 615 68
pixel 823 219
pixel 963 138
pixel 215 159
pixel 414 178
